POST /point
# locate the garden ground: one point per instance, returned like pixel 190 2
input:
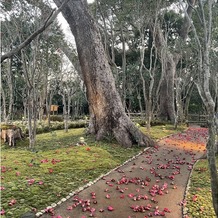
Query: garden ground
pixel 32 180
pixel 151 184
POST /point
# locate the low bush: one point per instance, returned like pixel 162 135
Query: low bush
pixel 42 126
pixel 7 126
pixel 142 122
pixel 56 118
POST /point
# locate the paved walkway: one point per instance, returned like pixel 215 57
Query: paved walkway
pixel 152 184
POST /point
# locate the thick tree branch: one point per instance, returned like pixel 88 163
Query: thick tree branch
pixel 185 28
pixel 46 24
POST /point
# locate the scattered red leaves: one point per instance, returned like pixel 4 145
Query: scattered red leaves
pixel 12 202
pixel 17 173
pixel 2 212
pixel 50 170
pixel 31 181
pixel 3 169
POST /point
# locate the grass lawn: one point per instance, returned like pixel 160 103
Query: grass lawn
pixel 33 180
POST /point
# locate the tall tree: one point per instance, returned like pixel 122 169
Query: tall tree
pixel 169 56
pixel 107 115
pixel 204 44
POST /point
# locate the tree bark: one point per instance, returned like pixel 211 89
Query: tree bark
pixel 124 85
pixel 8 94
pixel 48 106
pixel 65 113
pixel 188 98
pixel 3 109
pixel 107 115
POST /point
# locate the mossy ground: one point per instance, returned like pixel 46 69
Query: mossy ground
pixel 199 200
pixel 35 179
pixel 158 132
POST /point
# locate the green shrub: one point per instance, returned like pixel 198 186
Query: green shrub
pixel 8 126
pixel 57 126
pixel 39 130
pixel 56 118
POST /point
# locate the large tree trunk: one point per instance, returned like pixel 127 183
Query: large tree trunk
pixel 107 115
pixel 167 92
pixel 169 62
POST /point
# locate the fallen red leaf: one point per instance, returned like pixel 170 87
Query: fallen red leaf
pixel 194 198
pixel 110 208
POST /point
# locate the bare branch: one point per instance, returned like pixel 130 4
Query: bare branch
pixel 27 41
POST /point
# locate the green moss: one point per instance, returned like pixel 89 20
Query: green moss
pixel 200 186
pixel 157 132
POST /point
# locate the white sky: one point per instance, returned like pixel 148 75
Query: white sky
pixel 66 28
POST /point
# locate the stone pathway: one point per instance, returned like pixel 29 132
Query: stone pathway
pixel 152 184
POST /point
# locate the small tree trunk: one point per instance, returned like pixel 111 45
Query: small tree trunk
pixel 69 98
pixel 11 94
pixel 31 120
pixel 187 99
pixel 140 103
pixel 4 113
pixel 124 88
pixel 179 105
pixel 148 115
pixel 42 101
pixel 32 95
pixel 48 106
pixel 65 113
pixel 25 111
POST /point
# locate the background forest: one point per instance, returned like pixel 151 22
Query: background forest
pixel 155 65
